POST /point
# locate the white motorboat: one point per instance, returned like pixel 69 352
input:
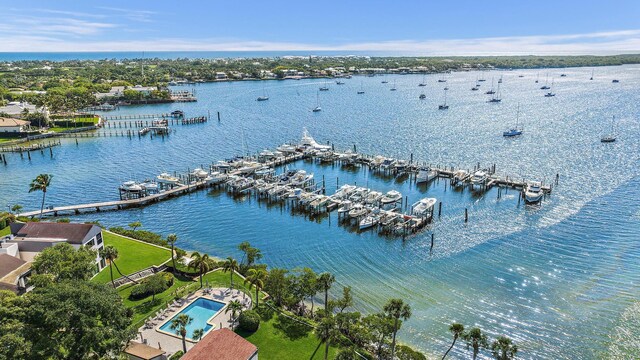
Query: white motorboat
pixel 199 173
pixel 458 177
pixel 423 207
pixel 301 179
pixel 479 178
pixel 264 171
pixel 309 142
pixel 359 194
pixel 287 148
pixel 369 221
pixel 345 207
pixel 215 178
pixel 344 191
pixel 400 166
pixel 357 211
pixel 388 164
pixel 373 197
pixel 533 192
pixel 165 178
pixel 426 174
pixel 391 197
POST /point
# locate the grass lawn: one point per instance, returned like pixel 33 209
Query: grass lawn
pixel 5 231
pixel 132 256
pixel 279 337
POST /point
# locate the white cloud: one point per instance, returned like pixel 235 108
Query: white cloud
pixel 597 43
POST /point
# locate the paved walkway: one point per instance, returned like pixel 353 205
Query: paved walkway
pixel 172 344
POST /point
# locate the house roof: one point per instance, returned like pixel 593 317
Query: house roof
pixel 221 344
pixel 9 264
pixel 9 122
pixel 142 351
pixel 71 233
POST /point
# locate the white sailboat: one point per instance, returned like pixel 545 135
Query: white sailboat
pixel 611 137
pixel 361 91
pixel 444 106
pixel 264 96
pixel 423 83
pixel 514 131
pixel 317 108
pixel 394 86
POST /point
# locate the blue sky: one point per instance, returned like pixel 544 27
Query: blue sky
pixel 409 27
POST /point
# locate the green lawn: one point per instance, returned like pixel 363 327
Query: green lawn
pixel 5 231
pixel 281 338
pixel 132 256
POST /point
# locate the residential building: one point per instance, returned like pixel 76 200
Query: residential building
pixel 222 344
pixel 221 76
pixel 33 237
pixel 14 273
pixel 17 108
pixel 10 125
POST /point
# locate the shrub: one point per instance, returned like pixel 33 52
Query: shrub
pixel 177 355
pixel 406 353
pixel 142 235
pixel 249 321
pixel 151 286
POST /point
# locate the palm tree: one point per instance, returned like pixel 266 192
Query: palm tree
pixel 504 349
pixel 41 183
pixel 110 254
pixel 200 263
pixel 256 277
pixel 326 331
pixel 325 280
pixel 396 309
pixel 230 265
pixel 198 334
pixel 244 247
pixel 234 306
pixel 475 339
pixel 456 329
pixel 171 239
pixel 134 225
pixel 16 209
pixel 179 324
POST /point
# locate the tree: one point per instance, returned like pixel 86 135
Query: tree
pixel 309 284
pixel 250 254
pixel 155 284
pixel 346 300
pixel 200 263
pixel 171 239
pixel 325 280
pixel 179 325
pixel 41 183
pixel 256 277
pixel 230 265
pixel 278 285
pixel 136 224
pixel 110 254
pixel 325 332
pixel 456 329
pixel 76 320
pixel 476 340
pixel 16 208
pixel 198 334
pixel 504 349
pixel 396 309
pixel 63 262
pixel 235 307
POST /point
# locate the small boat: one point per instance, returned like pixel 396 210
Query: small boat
pixel 361 91
pixel 344 191
pixel 394 86
pixel 357 210
pixel 215 178
pixel 515 131
pixel 563 75
pixel 422 96
pixel 165 178
pixel 496 96
pixel 545 86
pixel 444 106
pixel 475 88
pixel 491 91
pixel 442 79
pixel 479 177
pixel 340 82
pixel 537 77
pixel 264 171
pixel 369 221
pixel 533 192
pixel 317 108
pixel 549 94
pixel 423 207
pixel 391 197
pixel 615 81
pixel 458 177
pixel 500 80
pixel 287 148
pixel 373 197
pixel 426 174
pixel 591 78
pixel 199 173
pixel 264 96
pixel 324 88
pixel 423 83
pixel 345 207
pixel 611 137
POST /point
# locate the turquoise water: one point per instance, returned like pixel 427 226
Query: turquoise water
pixel 201 310
pixel 559 278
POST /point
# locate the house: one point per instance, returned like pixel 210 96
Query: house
pixel 138 351
pixel 115 92
pixel 10 125
pixel 146 90
pixel 221 76
pixel 14 273
pixel 33 237
pixel 16 108
pixel 222 344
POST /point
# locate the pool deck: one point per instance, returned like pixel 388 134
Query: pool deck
pixel 170 343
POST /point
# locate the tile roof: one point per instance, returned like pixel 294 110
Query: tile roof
pixel 221 344
pixel 142 351
pixel 72 233
pixel 8 264
pixel 9 122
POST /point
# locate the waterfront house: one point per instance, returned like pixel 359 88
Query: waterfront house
pixel 10 125
pixel 221 76
pixel 222 344
pixel 114 92
pixel 33 237
pixel 138 351
pixel 14 272
pixel 16 109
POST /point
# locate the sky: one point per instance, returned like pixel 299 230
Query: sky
pixel 437 28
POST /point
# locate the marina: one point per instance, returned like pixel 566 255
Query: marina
pixel 507 251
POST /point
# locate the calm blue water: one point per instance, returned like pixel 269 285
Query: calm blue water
pixel 201 310
pixel 560 278
pixel 101 55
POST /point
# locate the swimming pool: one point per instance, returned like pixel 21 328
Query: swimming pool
pixel 201 311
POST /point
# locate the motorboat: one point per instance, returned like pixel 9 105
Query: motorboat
pixel 308 142
pixel 345 207
pixel 359 194
pixel 388 163
pixel 533 192
pixel 165 178
pixel 287 148
pixel 324 88
pixel 549 94
pixel 369 221
pixel 344 191
pixel 373 197
pixel 357 211
pixel 479 177
pixel 423 207
pixel 426 174
pixel 615 81
pixel 215 178
pixel 199 173
pixel 458 177
pixel 262 98
pixel 391 197
pixel 422 96
pixel 264 171
pixel 340 82
pixel 301 178
pixel 400 166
